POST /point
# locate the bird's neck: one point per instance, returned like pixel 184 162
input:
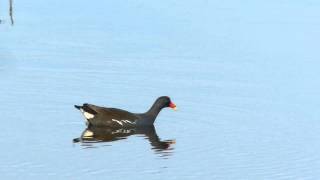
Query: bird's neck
pixel 153 112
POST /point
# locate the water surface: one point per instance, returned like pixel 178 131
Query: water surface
pixel 243 74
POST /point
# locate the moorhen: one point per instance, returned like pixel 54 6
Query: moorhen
pixel 118 118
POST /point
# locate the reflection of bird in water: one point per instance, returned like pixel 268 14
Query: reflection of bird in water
pixel 105 134
pixel 11 12
pixel 118 118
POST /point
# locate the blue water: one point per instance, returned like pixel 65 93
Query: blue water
pixel 244 75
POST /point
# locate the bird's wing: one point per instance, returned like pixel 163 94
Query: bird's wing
pixel 119 114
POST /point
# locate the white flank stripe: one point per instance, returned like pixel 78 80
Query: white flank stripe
pixel 117 122
pixel 127 121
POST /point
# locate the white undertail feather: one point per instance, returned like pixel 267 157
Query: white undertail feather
pixel 88 115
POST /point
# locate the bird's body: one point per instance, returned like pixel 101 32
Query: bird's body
pixel 113 117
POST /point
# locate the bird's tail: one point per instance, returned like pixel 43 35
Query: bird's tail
pixel 77 107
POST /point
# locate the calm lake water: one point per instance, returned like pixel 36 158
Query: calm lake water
pixel 244 75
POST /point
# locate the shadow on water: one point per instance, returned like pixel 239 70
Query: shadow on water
pixel 92 135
